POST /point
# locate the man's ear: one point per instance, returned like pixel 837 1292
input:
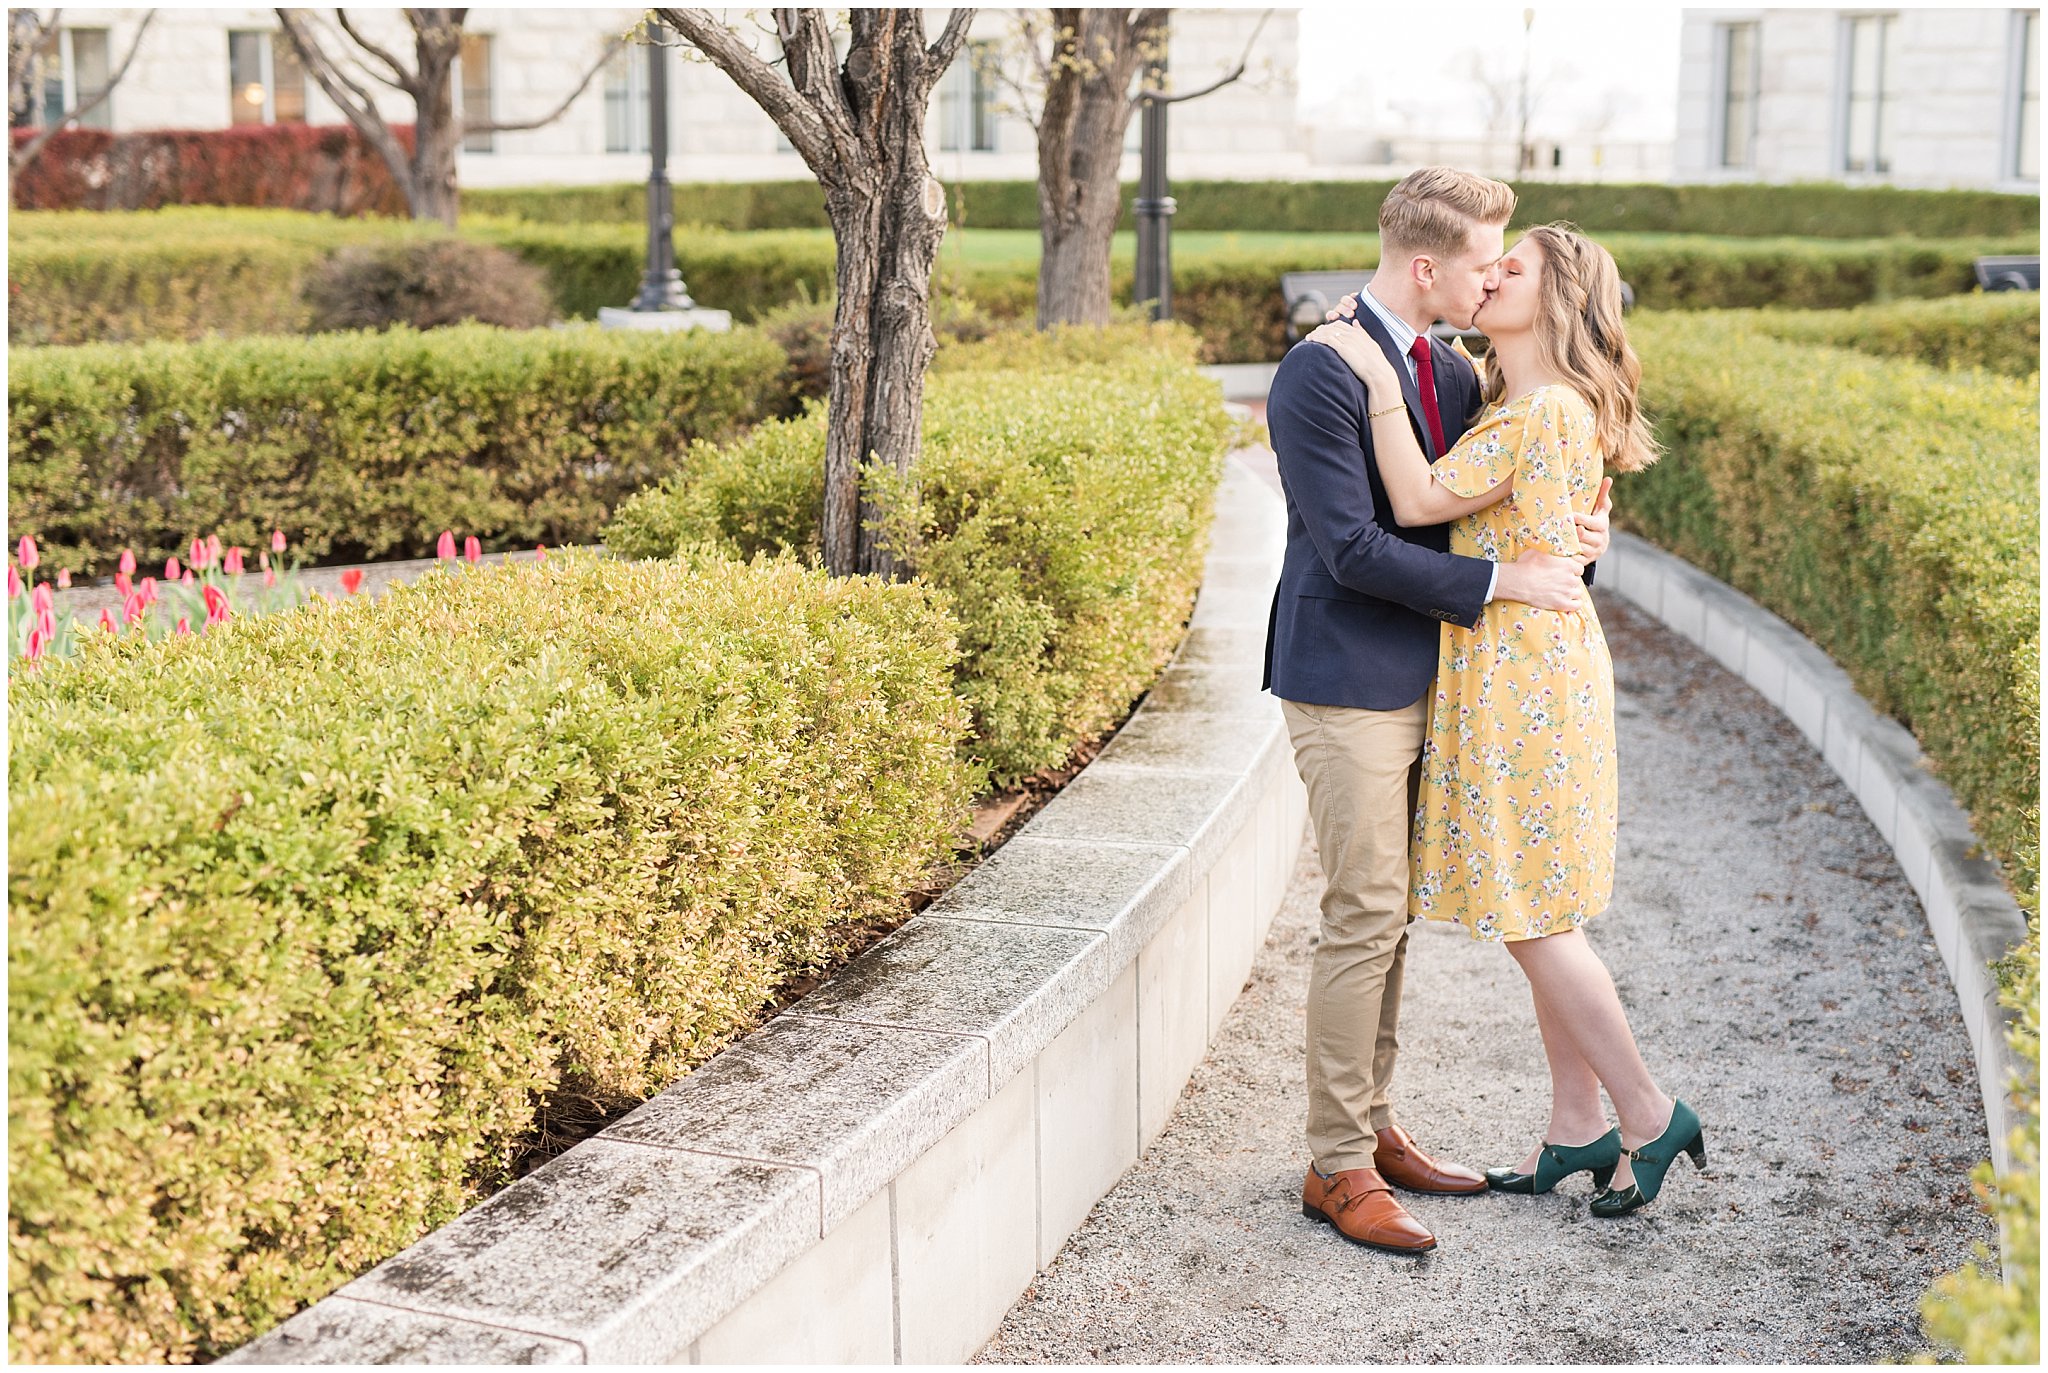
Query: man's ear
pixel 1423 270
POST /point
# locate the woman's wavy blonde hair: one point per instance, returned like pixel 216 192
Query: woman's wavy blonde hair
pixel 1580 333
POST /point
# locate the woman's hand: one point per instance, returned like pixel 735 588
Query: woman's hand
pixel 1363 357
pixel 1347 308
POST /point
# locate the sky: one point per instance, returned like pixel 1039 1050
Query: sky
pixel 1407 67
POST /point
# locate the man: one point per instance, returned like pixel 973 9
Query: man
pixel 1351 648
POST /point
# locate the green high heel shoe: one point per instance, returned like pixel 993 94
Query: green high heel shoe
pixel 1559 1161
pixel 1648 1164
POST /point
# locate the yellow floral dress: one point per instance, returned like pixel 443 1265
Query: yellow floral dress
pixel 1515 823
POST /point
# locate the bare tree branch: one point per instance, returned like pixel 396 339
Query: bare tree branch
pixel 1166 98
pixel 803 125
pixel 400 79
pixel 30 39
pixel 946 46
pixel 28 151
pixel 354 100
pixel 516 126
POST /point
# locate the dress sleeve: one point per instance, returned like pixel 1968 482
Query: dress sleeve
pixel 1533 443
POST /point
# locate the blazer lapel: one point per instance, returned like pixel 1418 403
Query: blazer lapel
pixel 1370 322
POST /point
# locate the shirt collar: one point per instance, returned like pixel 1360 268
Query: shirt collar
pixel 1403 333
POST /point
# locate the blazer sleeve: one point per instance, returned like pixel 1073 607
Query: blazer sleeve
pixel 1315 417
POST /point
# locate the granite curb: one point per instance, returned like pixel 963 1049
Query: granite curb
pixel 1974 920
pixel 878 1173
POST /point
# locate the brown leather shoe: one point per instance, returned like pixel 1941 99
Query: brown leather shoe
pixel 1358 1203
pixel 1401 1161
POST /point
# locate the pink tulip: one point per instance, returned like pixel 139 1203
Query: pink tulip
pixel 277 541
pixel 42 598
pixel 269 577
pixel 47 623
pixel 216 605
pixel 64 577
pixel 444 547
pixel 107 622
pixel 213 548
pixel 352 580
pixel 187 578
pixel 171 568
pixel 184 625
pixel 472 550
pixel 123 583
pixel 232 563
pixel 149 591
pixel 37 642
pixel 27 554
pixel 540 552
pixel 13 582
pixel 196 555
pixel 128 561
pixel 134 608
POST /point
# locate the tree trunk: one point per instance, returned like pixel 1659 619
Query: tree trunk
pixel 1096 54
pixel 431 192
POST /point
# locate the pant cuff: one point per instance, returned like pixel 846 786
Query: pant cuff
pixel 1338 1163
pixel 1380 1117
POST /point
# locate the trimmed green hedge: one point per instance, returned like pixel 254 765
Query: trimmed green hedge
pixel 1810 210
pixel 1889 510
pixel 314 917
pixel 362 445
pixel 1997 330
pixel 1062 507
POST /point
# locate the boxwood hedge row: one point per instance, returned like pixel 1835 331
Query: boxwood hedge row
pixel 313 917
pixel 1999 331
pixel 364 445
pixel 1809 210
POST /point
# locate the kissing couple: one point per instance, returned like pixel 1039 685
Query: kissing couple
pixel 1447 687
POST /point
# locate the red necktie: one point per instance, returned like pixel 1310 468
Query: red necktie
pixel 1425 381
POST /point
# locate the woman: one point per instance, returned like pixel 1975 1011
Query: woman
pixel 1515 827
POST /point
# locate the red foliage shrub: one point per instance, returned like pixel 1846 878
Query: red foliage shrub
pixel 327 168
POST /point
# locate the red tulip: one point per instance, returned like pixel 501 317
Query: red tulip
pixel 13 582
pixel 216 605
pixel 232 563
pixel 472 550
pixel 352 580
pixel 540 552
pixel 48 623
pixel 269 577
pixel 64 577
pixel 107 622
pixel 134 608
pixel 171 568
pixel 444 547
pixel 196 555
pixel 149 591
pixel 27 554
pixel 123 583
pixel 184 625
pixel 277 541
pixel 128 561
pixel 42 598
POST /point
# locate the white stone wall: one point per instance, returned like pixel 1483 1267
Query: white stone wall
pixel 180 80
pixel 1950 100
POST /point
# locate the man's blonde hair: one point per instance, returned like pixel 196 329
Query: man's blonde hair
pixel 1432 210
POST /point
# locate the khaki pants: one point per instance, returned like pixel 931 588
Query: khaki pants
pixel 1362 770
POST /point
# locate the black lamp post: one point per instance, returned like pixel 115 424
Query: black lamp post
pixel 1154 207
pixel 662 287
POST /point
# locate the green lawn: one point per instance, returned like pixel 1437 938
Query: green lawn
pixel 996 247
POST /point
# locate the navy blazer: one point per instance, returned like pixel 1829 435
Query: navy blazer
pixel 1355 617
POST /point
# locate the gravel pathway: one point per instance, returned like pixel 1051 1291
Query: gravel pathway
pixel 1779 975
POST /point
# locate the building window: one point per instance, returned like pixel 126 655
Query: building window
pixel 2026 161
pixel 1739 81
pixel 79 74
pixel 473 73
pixel 967 102
pixel 1873 61
pixel 626 101
pixel 266 84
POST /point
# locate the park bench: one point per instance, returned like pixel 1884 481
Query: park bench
pixel 1309 296
pixel 2009 273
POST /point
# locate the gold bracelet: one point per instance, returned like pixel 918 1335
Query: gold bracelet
pixel 1375 414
